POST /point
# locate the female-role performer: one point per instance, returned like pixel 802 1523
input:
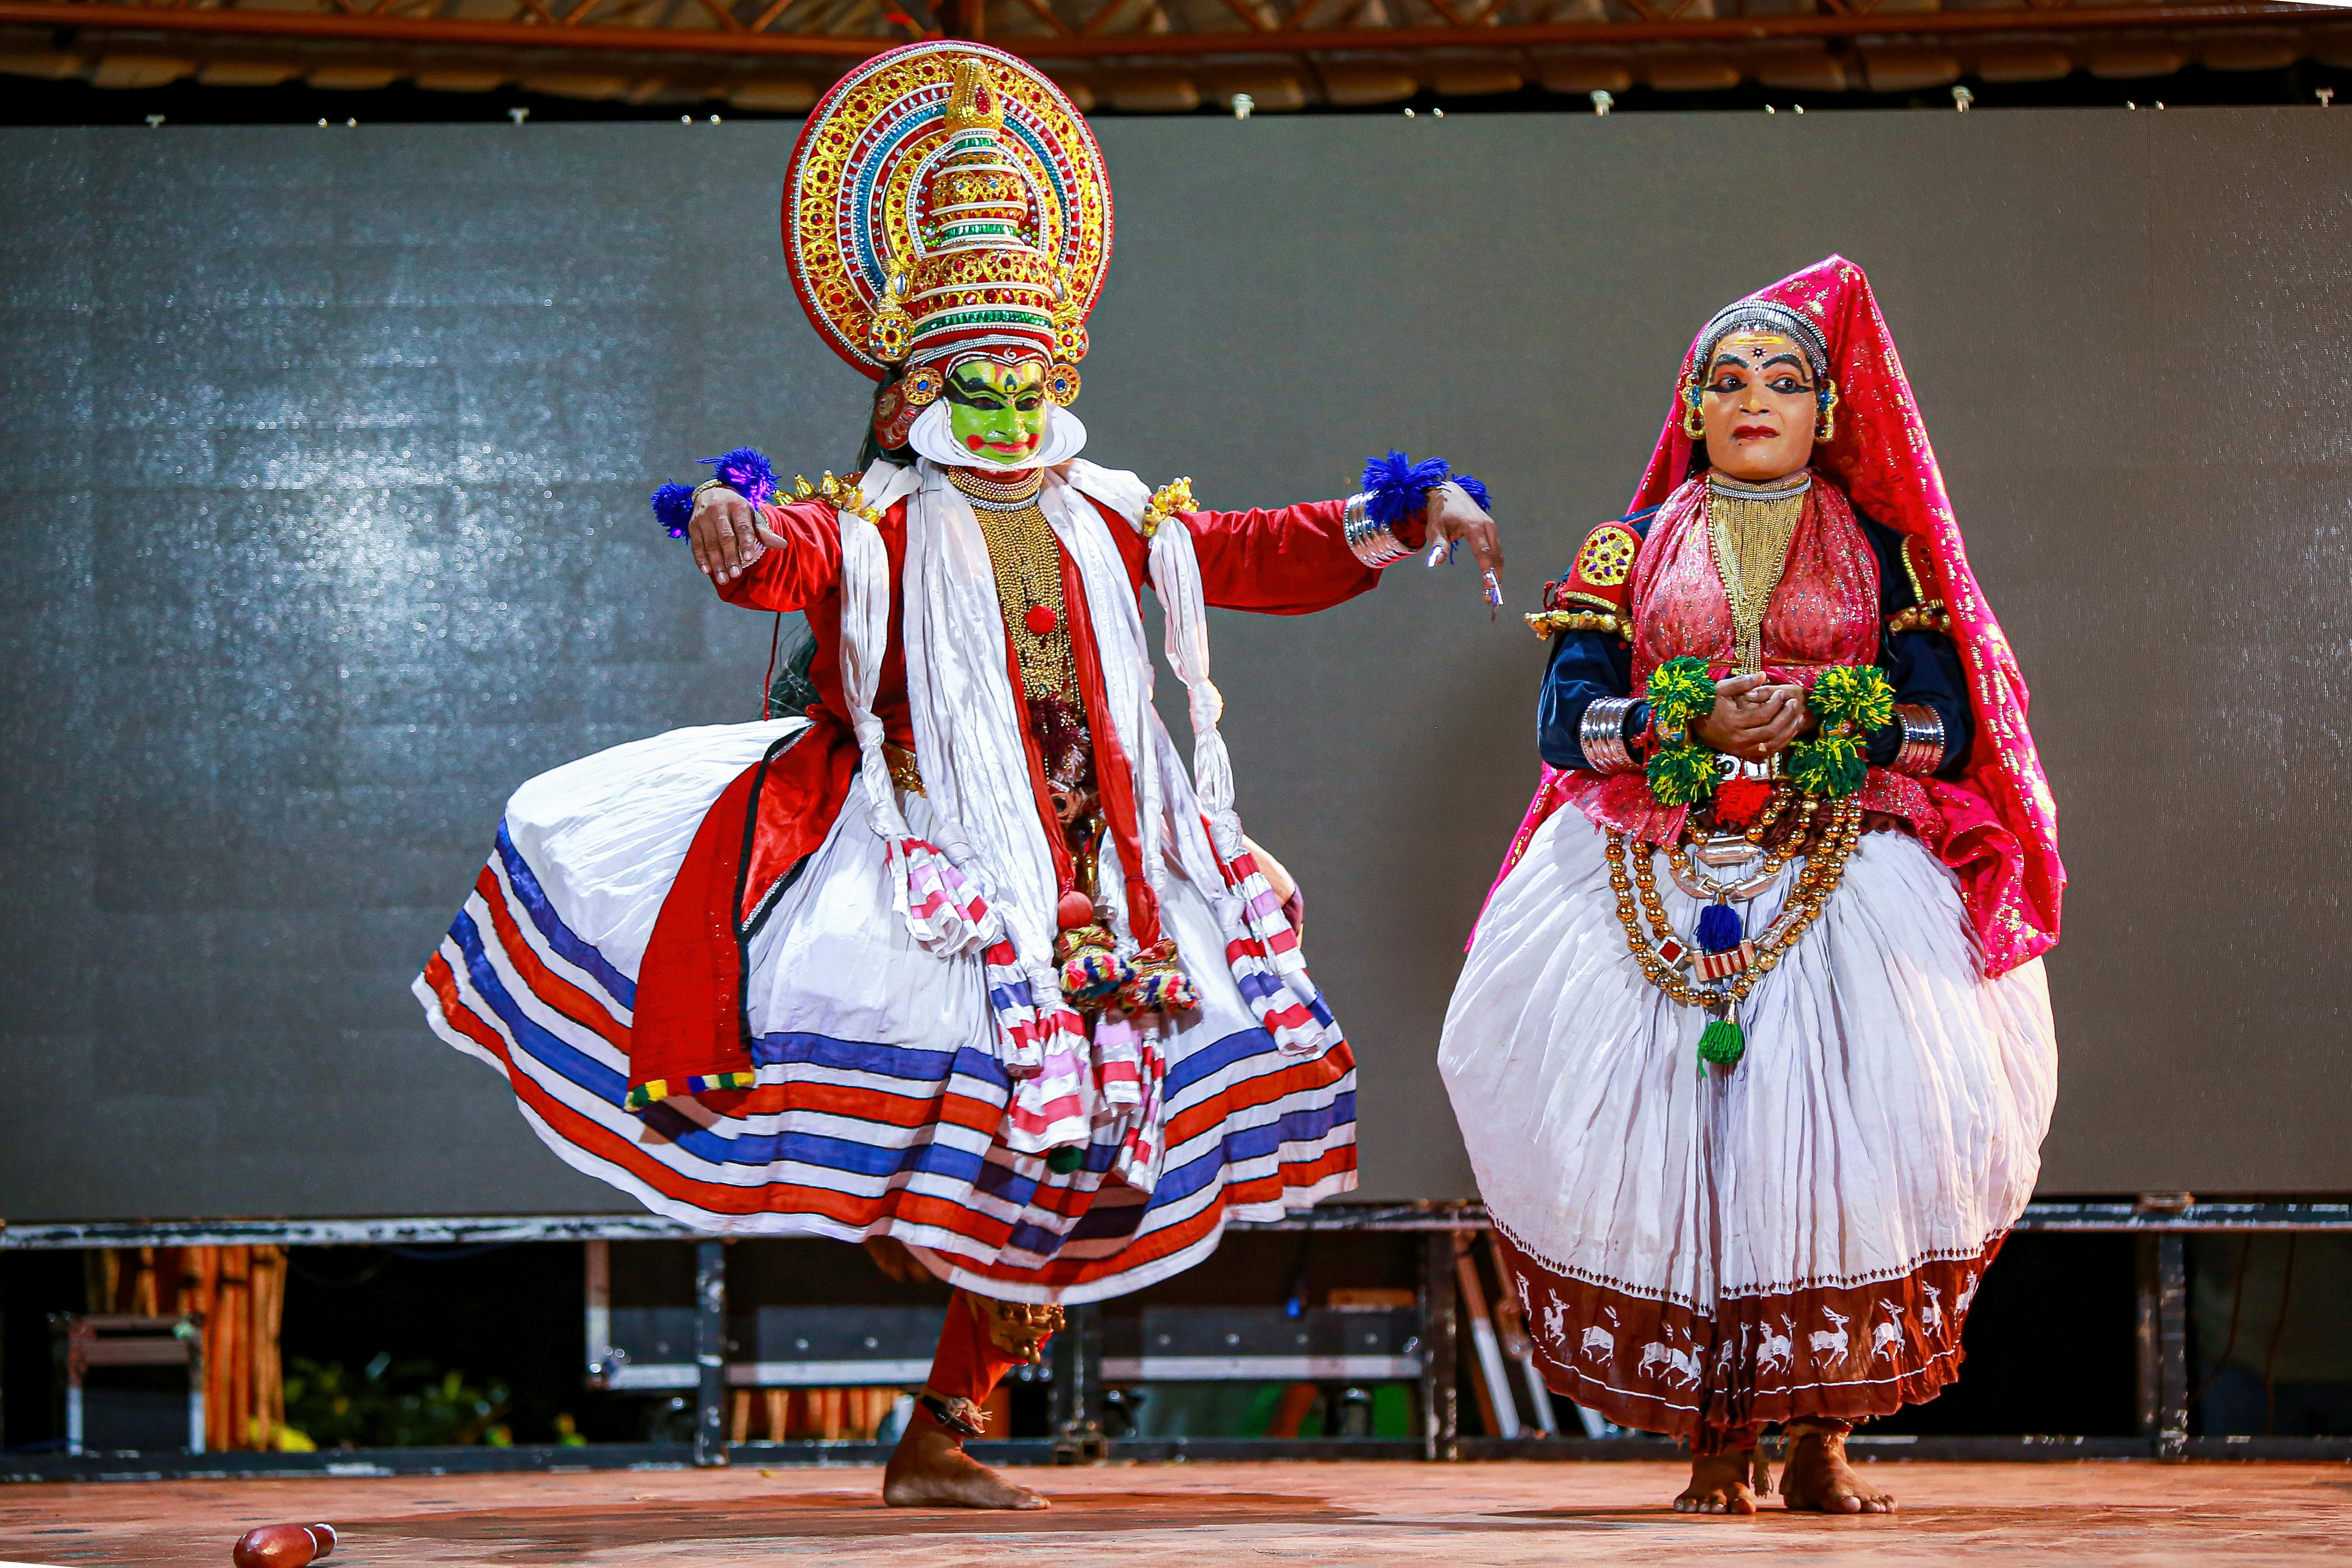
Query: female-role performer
pixel 1752 1050
pixel 958 962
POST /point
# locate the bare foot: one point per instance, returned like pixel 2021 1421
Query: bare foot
pixel 1817 1479
pixel 930 1469
pixel 1718 1484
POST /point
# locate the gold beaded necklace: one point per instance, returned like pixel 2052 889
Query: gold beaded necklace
pixel 1028 561
pixel 1661 954
pixel 1750 527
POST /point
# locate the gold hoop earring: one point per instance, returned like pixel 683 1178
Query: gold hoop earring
pixel 1826 430
pixel 1693 421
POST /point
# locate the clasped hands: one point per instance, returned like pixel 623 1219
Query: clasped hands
pixel 1752 721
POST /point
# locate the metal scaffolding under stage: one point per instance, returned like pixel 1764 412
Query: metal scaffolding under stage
pixel 2161 1225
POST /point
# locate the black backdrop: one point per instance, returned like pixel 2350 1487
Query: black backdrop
pixel 324 473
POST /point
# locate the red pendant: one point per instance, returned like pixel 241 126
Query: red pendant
pixel 1041 620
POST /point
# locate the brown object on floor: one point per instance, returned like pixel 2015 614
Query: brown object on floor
pixel 275 1546
pixel 1520 1514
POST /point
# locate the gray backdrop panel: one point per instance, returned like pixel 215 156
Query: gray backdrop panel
pixel 324 471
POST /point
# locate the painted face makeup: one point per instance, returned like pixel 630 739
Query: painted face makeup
pixel 1759 407
pixel 997 412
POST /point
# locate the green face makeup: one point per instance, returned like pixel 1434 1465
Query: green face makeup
pixel 997 412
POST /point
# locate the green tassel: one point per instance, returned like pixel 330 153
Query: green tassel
pixel 1682 774
pixel 1064 1160
pixel 1831 767
pixel 1679 691
pixel 1722 1044
pixel 1855 695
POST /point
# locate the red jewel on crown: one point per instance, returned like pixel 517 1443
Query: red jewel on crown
pixel 1041 620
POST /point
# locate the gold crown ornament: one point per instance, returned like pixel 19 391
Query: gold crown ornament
pixel 946 202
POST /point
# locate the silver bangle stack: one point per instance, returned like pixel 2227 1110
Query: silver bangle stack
pixel 1375 543
pixel 1602 735
pixel 1922 752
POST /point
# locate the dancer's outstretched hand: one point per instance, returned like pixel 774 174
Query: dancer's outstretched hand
pixel 728 535
pixel 1454 519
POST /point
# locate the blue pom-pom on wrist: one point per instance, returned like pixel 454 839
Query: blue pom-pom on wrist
pixel 1397 486
pixel 672 504
pixel 745 471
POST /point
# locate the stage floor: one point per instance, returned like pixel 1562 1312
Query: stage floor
pixel 1209 1516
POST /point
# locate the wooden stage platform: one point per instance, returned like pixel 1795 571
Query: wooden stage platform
pixel 1208 1516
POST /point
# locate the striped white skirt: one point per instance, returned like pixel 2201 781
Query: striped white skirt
pixel 878 1103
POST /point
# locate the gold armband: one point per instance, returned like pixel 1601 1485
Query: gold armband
pixel 1926 618
pixel 841 494
pixel 1170 498
pixel 1543 623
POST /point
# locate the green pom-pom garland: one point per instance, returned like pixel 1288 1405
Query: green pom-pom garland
pixel 1857 696
pixel 1682 774
pixel 1831 767
pixel 1679 691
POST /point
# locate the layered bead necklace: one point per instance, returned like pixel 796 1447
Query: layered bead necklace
pixel 1750 528
pixel 1028 561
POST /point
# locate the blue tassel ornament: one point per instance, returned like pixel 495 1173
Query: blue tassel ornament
pixel 1477 490
pixel 1719 929
pixel 1396 485
pixel 672 504
pixel 745 471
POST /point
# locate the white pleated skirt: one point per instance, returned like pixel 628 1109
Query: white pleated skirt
pixel 1800 1234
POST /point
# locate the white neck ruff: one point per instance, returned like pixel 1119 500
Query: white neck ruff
pixel 1066 437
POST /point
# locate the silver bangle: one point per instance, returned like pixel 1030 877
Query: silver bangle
pixel 1922 752
pixel 1601 735
pixel 1375 543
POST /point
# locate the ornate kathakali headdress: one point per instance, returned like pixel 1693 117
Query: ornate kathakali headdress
pixel 945 203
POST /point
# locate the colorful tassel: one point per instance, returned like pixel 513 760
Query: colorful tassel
pixel 1679 691
pixel 1740 800
pixel 1857 696
pixel 1091 972
pixel 673 506
pixel 745 471
pixel 1722 1045
pixel 1831 767
pixel 1157 983
pixel 1719 929
pixel 1682 774
pixel 1397 485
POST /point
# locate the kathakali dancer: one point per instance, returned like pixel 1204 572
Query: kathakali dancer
pixel 1752 1050
pixel 958 962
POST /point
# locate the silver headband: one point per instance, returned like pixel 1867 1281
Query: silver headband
pixel 1772 317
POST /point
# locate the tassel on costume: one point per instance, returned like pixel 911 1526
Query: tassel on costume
pixel 1722 1044
pixel 1157 983
pixel 673 507
pixel 1092 972
pixel 1719 928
